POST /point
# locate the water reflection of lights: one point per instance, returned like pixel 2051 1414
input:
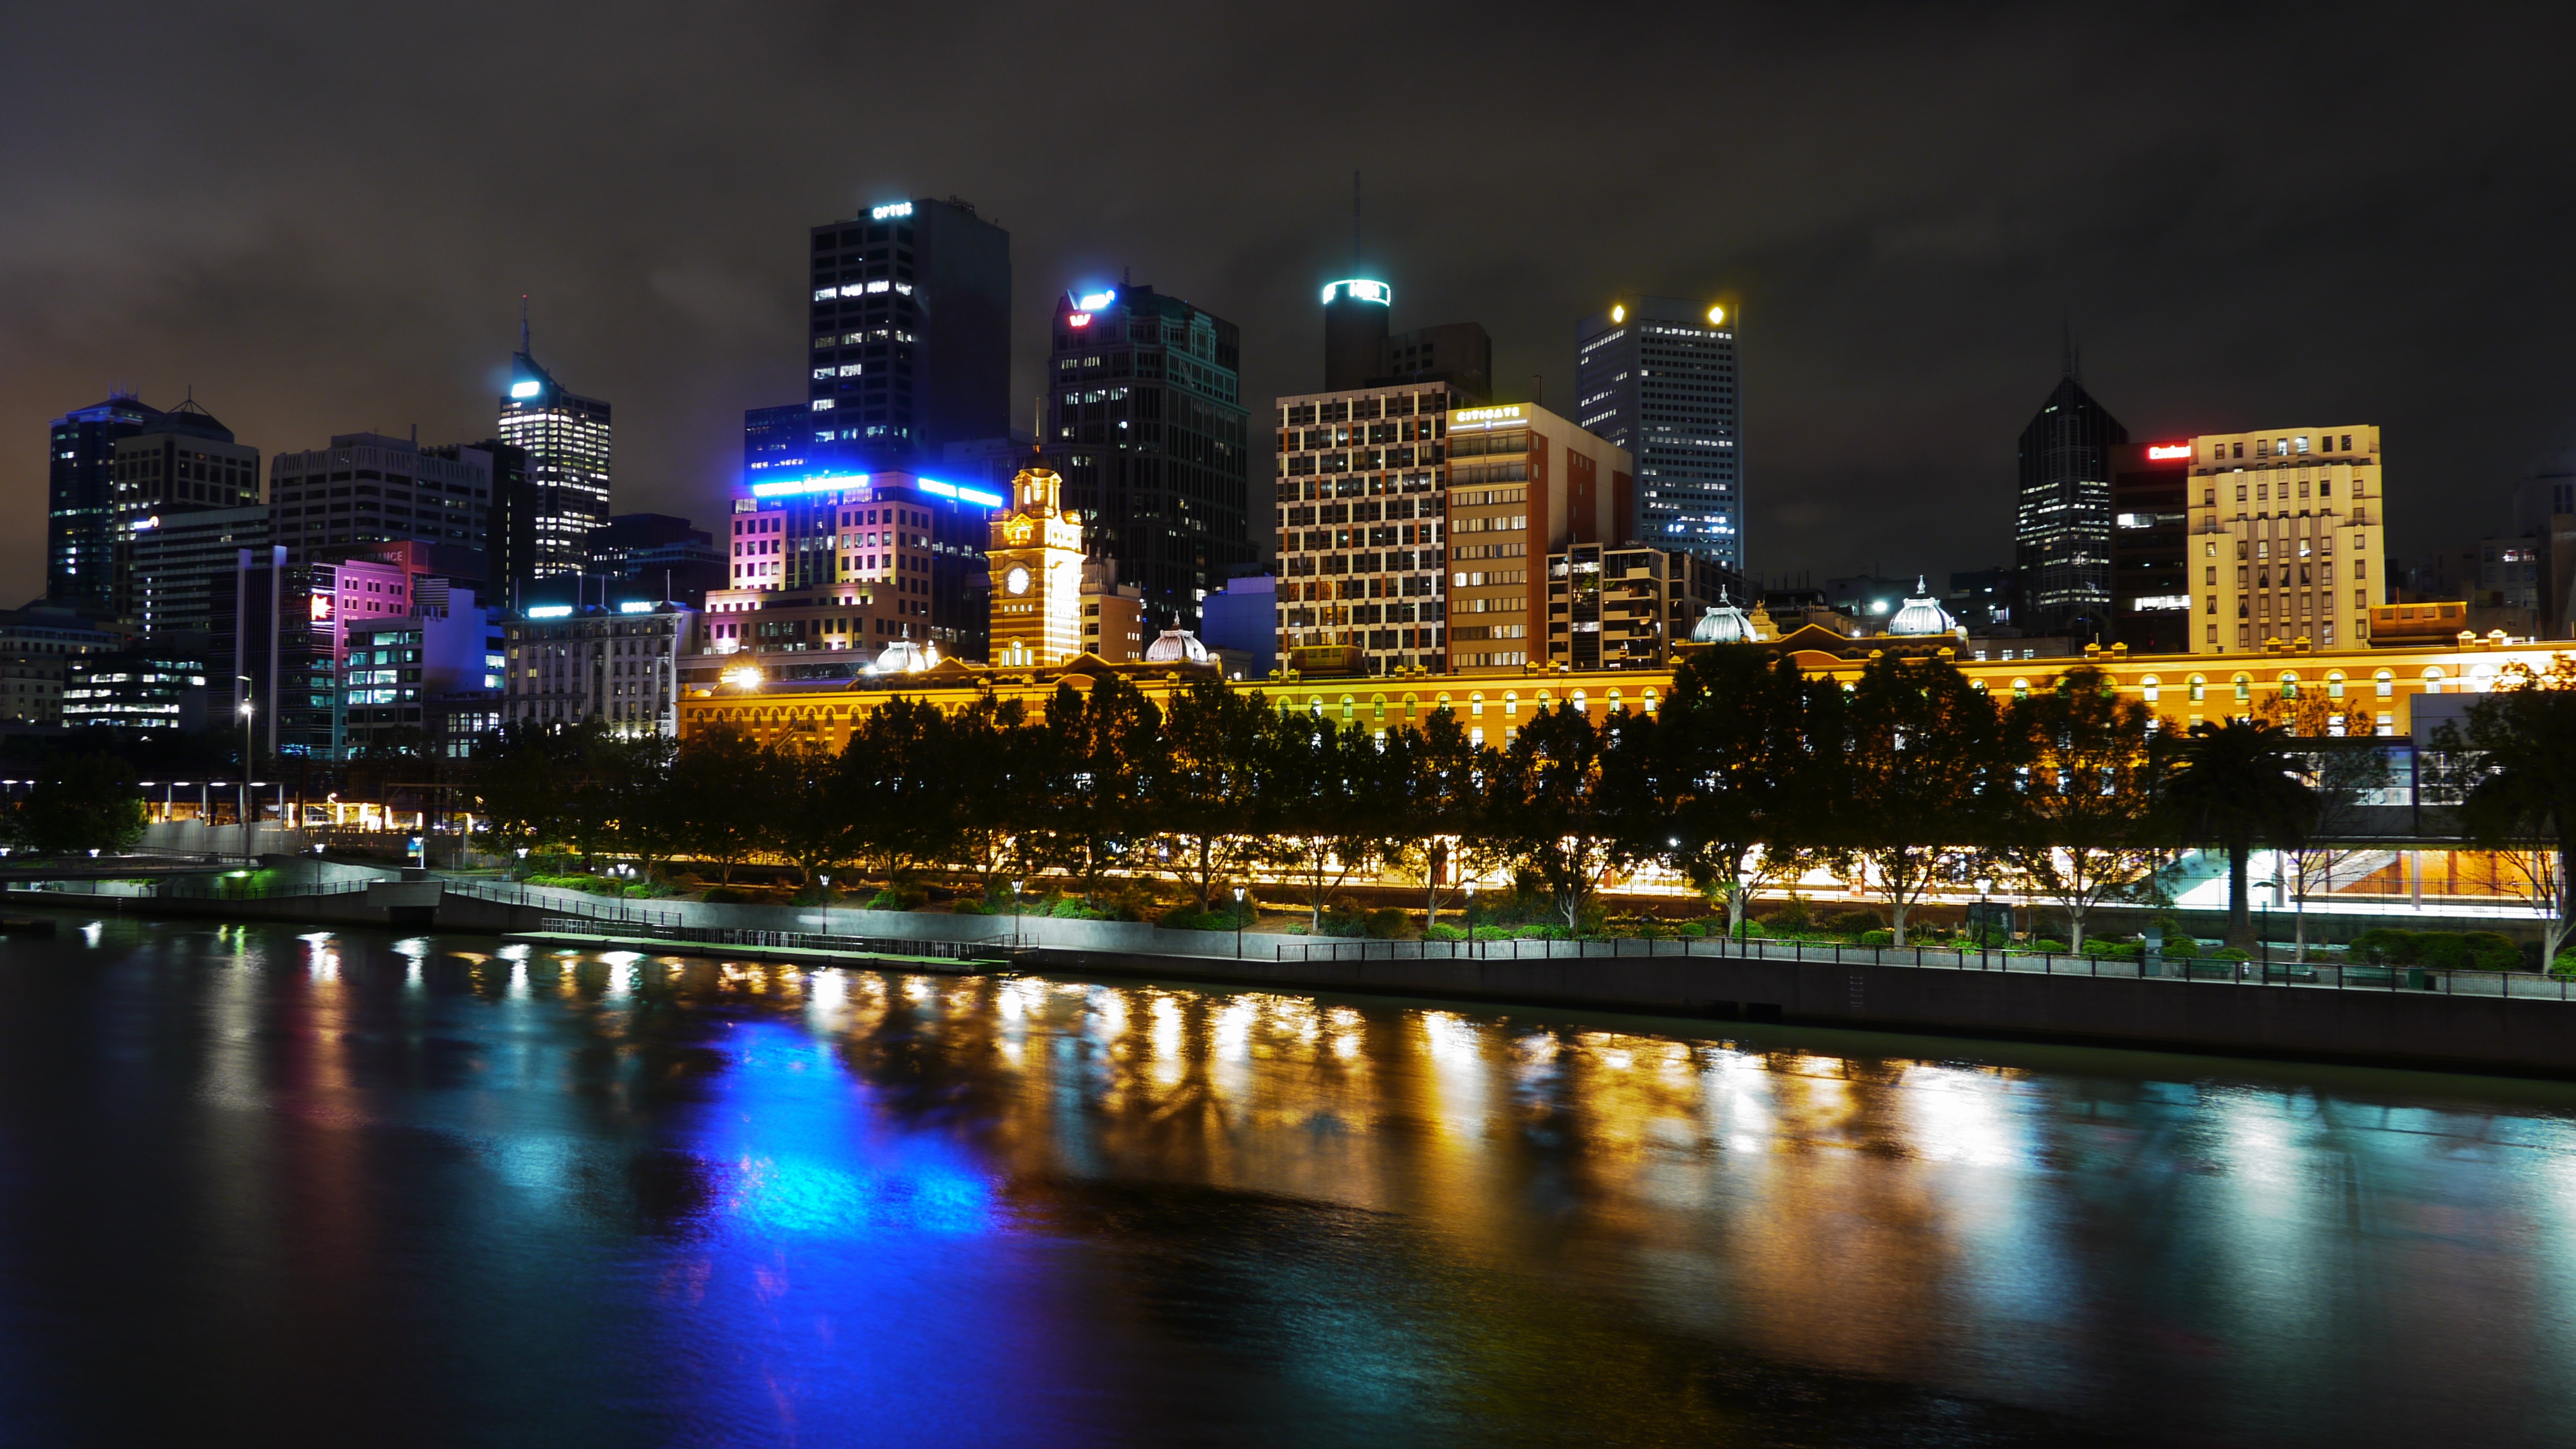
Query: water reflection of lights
pixel 1958 1116
pixel 515 951
pixel 90 933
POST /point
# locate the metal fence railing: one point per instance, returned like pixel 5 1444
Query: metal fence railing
pixel 565 903
pixel 804 941
pixel 190 890
pixel 2311 975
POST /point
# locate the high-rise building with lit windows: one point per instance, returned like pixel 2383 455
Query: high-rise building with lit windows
pixel 182 461
pixel 910 345
pixel 2285 540
pixel 2062 516
pixel 566 438
pixel 1658 376
pixel 1146 424
pixel 80 518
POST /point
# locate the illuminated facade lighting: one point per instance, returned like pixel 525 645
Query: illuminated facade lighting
pixel 1659 376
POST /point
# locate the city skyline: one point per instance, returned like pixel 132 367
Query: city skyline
pixel 1898 267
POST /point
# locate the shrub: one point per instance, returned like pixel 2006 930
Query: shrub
pixel 1751 930
pixel 1384 924
pixel 1855 923
pixel 1791 917
pixel 970 907
pixel 1068 908
pixel 2179 948
pixel 2114 950
pixel 727 896
pixel 891 899
pixel 2564 967
pixel 1442 931
pixel 1493 933
pixel 1876 937
pixel 1542 933
pixel 2047 945
pixel 2444 949
pixel 2383 946
pixel 2492 950
pixel 2227 953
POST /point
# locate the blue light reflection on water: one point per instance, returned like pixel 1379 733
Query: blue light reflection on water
pixel 418 1190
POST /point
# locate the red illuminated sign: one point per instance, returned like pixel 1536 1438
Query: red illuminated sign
pixel 2162 452
pixel 1078 319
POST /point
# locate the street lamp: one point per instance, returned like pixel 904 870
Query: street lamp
pixel 1471 918
pixel 2263 943
pixel 1985 915
pixel 1238 923
pixel 1015 910
pixel 244 681
pixel 523 863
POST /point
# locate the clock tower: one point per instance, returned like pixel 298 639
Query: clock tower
pixel 1036 555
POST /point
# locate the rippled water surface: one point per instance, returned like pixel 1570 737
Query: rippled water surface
pixel 359 1189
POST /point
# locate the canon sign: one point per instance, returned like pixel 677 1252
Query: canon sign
pixel 2163 452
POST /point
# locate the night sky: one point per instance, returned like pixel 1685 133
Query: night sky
pixel 322 216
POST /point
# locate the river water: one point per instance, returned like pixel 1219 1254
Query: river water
pixel 354 1188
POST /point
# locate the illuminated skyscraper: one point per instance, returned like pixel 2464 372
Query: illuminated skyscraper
pixel 2062 526
pixel 1146 424
pixel 910 347
pixel 566 439
pixel 1658 377
pixel 80 519
pixel 182 461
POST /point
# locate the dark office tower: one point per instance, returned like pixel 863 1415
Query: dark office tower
pixel 80 519
pixel 509 541
pixel 662 557
pixel 367 488
pixel 2062 529
pixel 181 461
pixel 2150 519
pixel 1145 421
pixel 1459 354
pixel 911 337
pixel 776 442
pixel 566 437
pixel 1658 376
pixel 1355 313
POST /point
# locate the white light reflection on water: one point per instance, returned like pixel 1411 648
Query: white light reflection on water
pixel 1490 1211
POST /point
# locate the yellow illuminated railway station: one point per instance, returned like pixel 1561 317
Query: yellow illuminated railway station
pixel 1036 555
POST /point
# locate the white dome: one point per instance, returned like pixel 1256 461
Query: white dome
pixel 905 657
pixel 1723 624
pixel 1922 614
pixel 1176 646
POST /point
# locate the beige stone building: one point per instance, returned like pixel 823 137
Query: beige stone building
pixel 2286 537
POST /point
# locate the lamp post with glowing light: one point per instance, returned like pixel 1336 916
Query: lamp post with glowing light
pixel 244 681
pixel 1238 923
pixel 1015 911
pixel 1471 918
pixel 1985 916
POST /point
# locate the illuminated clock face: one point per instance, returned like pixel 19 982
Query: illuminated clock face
pixel 1017 580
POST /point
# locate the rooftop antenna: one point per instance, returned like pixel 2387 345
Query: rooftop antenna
pixel 1037 423
pixel 523 324
pixel 2071 359
pixel 1355 222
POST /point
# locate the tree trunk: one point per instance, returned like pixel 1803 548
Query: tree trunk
pixel 2075 928
pixel 2240 911
pixel 1735 899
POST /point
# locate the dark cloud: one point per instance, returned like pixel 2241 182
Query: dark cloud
pixel 322 216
